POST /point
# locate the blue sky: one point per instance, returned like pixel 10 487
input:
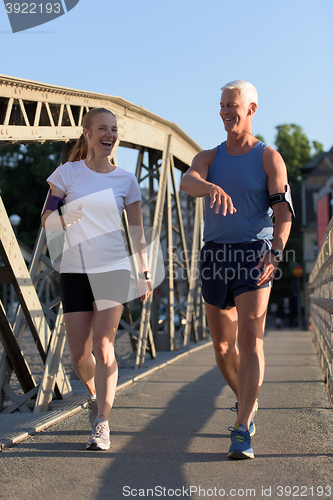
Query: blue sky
pixel 172 57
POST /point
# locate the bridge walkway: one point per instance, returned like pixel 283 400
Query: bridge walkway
pixel 170 437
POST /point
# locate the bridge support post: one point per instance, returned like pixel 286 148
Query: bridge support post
pixel 29 314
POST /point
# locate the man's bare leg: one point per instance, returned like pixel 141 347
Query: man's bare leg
pixel 252 308
pixel 223 328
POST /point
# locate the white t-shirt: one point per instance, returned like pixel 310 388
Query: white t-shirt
pixel 95 244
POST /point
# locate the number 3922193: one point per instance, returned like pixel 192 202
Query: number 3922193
pixel 33 8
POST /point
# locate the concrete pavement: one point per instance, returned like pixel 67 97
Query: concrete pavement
pixel 170 437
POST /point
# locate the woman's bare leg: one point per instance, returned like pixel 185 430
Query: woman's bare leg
pixel 79 338
pixel 106 322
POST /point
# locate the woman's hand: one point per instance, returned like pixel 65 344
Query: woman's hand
pixel 145 288
pixel 73 216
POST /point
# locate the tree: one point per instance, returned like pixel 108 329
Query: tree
pixel 23 187
pixel 318 147
pixel 260 137
pixel 295 149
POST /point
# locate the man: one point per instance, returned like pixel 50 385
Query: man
pixel 241 253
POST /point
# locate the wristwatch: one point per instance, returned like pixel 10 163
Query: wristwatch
pixel 146 275
pixel 277 253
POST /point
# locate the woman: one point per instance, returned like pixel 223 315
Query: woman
pixel 95 269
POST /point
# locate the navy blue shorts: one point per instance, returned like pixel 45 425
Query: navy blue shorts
pixel 78 292
pixel 228 270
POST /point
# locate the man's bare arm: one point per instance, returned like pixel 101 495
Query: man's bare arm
pixel 195 183
pixel 277 180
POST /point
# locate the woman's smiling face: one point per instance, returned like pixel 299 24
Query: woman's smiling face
pixel 103 134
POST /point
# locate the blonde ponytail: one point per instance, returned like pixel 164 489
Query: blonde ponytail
pixel 80 149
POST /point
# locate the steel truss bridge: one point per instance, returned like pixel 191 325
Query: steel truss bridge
pixel 38 112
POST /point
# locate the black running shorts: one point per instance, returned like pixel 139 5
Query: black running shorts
pixel 228 270
pixel 78 291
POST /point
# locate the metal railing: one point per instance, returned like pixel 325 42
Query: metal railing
pixel 320 288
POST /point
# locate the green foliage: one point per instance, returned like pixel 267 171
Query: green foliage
pixel 260 137
pixel 318 147
pixel 295 148
pixel 23 187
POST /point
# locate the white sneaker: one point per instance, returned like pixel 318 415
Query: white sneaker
pixel 100 436
pixel 93 408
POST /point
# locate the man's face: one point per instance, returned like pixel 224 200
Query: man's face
pixel 233 111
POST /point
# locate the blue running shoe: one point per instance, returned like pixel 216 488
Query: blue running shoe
pixel 252 429
pixel 240 443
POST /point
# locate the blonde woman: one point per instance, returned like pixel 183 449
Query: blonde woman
pixel 95 269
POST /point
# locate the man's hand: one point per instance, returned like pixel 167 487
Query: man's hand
pixel 222 200
pixel 268 265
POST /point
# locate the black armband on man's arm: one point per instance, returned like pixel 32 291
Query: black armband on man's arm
pixel 278 197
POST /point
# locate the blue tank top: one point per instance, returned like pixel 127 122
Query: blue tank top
pixel 244 179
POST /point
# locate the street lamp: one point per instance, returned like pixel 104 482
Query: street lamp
pixel 15 222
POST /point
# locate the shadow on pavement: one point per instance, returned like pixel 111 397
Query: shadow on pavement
pixel 155 456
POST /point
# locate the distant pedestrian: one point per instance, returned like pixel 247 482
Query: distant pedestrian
pixel 278 322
